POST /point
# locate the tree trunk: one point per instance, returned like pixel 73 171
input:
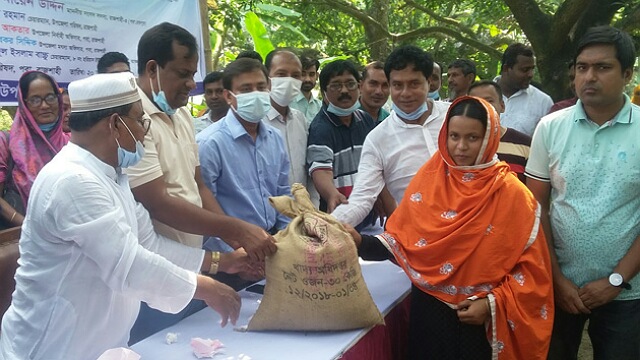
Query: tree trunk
pixel 377 39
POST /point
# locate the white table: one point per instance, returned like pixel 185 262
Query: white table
pixel 387 283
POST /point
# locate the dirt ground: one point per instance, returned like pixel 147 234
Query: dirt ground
pixel 585 352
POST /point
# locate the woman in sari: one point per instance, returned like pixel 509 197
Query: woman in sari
pixel 34 139
pixel 468 235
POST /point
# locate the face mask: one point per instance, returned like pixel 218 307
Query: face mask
pixel 284 90
pixel 47 127
pixel 252 106
pixel 343 112
pixel 415 115
pixel 435 95
pixel 160 98
pixel 127 158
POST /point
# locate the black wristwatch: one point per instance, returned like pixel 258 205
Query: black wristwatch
pixel 617 280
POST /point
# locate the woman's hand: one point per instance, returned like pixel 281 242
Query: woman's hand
pixel 474 312
pixel 357 238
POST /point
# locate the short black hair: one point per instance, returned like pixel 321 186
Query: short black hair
pixel 308 62
pixel 85 120
pixel 470 107
pixel 251 54
pixel 510 55
pixel 378 65
pixel 212 77
pixel 482 83
pixel 28 77
pixel 241 66
pixel 157 44
pixel 607 35
pixel 467 66
pixel 111 58
pixel 404 56
pixel 337 68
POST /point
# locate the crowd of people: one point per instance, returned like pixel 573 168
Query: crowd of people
pixel 516 219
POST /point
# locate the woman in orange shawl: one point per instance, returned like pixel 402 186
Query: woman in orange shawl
pixel 468 234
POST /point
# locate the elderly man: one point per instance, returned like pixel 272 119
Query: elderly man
pixel 394 151
pixel 460 75
pixel 583 169
pixel 374 91
pixel 88 251
pixel 336 136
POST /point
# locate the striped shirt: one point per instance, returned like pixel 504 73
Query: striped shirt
pixel 514 150
pixel 337 147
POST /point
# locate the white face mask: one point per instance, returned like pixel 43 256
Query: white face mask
pixel 252 106
pixel 284 90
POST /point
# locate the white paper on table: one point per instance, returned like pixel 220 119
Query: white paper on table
pixel 119 354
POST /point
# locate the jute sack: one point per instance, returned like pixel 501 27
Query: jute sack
pixel 314 280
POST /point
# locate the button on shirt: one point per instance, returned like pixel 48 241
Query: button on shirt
pixel 524 109
pixel 88 256
pixel 594 173
pixel 392 153
pixel 295 131
pixel 170 151
pixel 307 107
pixel 243 174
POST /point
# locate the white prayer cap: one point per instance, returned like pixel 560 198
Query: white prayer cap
pixel 103 91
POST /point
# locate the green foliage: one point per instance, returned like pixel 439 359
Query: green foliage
pixel 258 33
pixel 5 120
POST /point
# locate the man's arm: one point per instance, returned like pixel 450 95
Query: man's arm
pixel 209 201
pixel 187 217
pixel 566 292
pixel 601 292
pixel 323 181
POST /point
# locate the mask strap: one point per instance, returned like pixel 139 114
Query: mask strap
pixel 125 125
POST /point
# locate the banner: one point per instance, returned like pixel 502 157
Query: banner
pixel 65 39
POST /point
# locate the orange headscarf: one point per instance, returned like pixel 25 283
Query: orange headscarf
pixel 463 231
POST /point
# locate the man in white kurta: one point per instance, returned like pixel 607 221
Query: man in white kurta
pixel 88 251
pixel 393 152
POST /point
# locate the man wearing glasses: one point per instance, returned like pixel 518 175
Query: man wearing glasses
pixel 88 251
pixel 336 136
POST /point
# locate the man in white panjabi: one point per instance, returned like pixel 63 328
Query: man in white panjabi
pixel 88 251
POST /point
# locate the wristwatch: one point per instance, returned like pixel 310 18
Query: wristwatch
pixel 616 280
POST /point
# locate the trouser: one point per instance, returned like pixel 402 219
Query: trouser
pixel 150 320
pixel 614 330
pixel 435 332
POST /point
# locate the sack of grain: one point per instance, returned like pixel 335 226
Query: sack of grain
pixel 314 280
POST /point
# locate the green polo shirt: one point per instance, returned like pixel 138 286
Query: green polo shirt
pixel 594 173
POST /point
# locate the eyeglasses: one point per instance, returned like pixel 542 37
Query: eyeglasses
pixel 350 85
pixel 144 122
pixel 36 101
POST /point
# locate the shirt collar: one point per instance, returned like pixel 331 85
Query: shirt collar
pixel 274 115
pixel 237 130
pixel 87 156
pixel 624 116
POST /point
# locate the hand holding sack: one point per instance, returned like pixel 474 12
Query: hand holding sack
pixel 314 280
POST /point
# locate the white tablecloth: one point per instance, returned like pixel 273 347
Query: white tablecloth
pixel 387 283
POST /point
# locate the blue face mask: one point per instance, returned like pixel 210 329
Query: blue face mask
pixel 48 127
pixel 343 112
pixel 414 115
pixel 252 106
pixel 160 98
pixel 435 95
pixel 127 158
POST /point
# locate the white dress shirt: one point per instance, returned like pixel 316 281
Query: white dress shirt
pixel 295 131
pixel 88 256
pixel 392 153
pixel 524 109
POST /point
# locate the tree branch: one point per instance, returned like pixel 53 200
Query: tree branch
pixel 564 22
pixel 439 18
pixel 354 12
pixel 532 21
pixel 430 31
